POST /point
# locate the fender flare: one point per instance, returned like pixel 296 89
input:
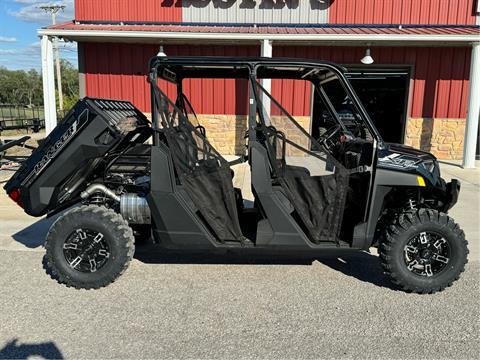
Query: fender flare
pixel 385 181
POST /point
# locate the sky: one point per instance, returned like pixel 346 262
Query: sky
pixel 19 42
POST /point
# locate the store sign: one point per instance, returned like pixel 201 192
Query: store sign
pixel 255 11
pixel 251 4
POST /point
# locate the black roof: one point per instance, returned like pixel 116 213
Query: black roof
pixel 223 66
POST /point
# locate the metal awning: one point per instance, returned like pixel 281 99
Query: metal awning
pixel 378 34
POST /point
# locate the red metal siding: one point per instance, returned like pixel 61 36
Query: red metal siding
pixel 293 95
pixel 118 71
pixel 127 10
pixel 440 76
pixel 439 86
pixel 216 96
pixel 340 12
pixel 452 12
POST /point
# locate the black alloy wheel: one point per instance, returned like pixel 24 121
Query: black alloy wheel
pixel 427 254
pixel 86 250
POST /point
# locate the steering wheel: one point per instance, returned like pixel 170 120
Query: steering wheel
pixel 326 138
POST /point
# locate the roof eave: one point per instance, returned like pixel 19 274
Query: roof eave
pixel 76 35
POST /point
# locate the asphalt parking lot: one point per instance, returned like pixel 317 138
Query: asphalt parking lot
pixel 171 305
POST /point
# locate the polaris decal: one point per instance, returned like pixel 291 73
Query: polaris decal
pixel 53 151
pixel 55 148
pixel 398 161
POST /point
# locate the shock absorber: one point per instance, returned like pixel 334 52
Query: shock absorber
pixel 412 204
pixel 97 198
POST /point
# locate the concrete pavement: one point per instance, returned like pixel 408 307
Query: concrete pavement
pixel 197 307
pixel 467 211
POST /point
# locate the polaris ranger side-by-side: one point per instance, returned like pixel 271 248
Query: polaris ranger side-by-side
pixel 346 189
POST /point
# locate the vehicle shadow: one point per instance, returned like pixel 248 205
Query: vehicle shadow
pixel 14 350
pixel 360 265
pixel 33 236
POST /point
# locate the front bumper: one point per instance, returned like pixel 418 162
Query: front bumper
pixel 452 191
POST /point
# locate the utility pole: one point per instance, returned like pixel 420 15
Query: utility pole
pixel 53 10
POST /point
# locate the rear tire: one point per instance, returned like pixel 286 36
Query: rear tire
pixel 423 251
pixel 89 247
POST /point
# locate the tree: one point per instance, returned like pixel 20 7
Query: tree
pixel 34 88
pixel 70 84
pixel 21 87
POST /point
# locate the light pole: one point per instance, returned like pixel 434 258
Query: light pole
pixel 53 10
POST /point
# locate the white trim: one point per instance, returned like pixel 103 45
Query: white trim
pixel 48 76
pixel 478 12
pixel 473 110
pixel 127 34
pixel 266 50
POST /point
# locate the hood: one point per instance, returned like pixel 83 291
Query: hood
pixel 407 159
pixel 402 157
pixel 406 150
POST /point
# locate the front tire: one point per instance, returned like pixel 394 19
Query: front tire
pixel 89 247
pixel 423 251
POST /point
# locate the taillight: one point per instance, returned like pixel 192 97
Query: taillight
pixel 15 196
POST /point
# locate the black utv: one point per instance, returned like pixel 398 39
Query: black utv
pixel 120 175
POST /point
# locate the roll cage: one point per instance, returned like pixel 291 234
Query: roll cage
pixel 175 69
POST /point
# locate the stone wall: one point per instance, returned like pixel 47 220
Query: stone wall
pixel 226 132
pixel 442 137
pixel 293 133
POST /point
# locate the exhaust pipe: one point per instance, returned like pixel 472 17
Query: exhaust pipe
pixel 94 188
pixel 133 208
